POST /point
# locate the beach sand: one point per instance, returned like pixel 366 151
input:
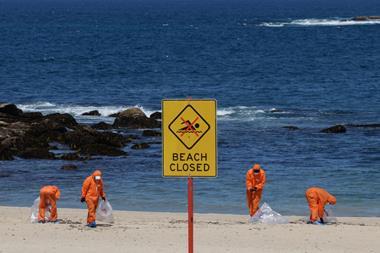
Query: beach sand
pixel 167 232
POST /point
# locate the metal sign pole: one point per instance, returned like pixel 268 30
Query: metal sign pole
pixel 190 209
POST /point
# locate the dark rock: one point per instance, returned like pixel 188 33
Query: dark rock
pixel 156 115
pixel 4 174
pixel 88 141
pixel 92 113
pixel 69 167
pixel 151 133
pixel 70 157
pixel 365 125
pixel 134 118
pixel 6 153
pixel 114 115
pixel 36 153
pixel 292 128
pixel 8 148
pixel 274 110
pixel 366 18
pixel 140 146
pixel 335 129
pixel 32 115
pixel 10 109
pixel 65 119
pixel 102 126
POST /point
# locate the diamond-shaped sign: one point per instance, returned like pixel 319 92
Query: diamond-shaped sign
pixel 189 127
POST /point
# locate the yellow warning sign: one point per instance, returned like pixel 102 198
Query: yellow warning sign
pixel 189 145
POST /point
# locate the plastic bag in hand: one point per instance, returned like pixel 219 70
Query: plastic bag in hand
pixel 104 212
pixel 328 215
pixel 35 210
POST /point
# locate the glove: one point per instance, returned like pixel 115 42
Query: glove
pixel 104 198
pixel 82 199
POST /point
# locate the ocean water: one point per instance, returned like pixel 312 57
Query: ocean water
pixel 303 58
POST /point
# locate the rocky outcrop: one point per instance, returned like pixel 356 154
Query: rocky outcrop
pixel 36 153
pixel 28 135
pixel 88 141
pixel 92 113
pixel 335 129
pixel 102 126
pixel 366 18
pixel 10 109
pixel 151 133
pixel 134 118
pixel 156 115
pixel 113 115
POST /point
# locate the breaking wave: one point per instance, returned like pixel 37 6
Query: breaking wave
pixel 320 22
pixel 76 110
pixel 240 113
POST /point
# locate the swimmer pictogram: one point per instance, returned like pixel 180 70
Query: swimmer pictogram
pixel 189 127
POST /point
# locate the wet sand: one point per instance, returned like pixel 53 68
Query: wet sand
pixel 167 232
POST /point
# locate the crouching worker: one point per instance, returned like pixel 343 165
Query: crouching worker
pixel 317 199
pixel 91 191
pixel 255 181
pixel 48 197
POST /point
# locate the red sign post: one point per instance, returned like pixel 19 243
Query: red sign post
pixel 190 211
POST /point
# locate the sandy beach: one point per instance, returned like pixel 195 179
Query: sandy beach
pixel 167 232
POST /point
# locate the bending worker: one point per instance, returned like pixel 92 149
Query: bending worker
pixel 317 199
pixel 255 181
pixel 91 191
pixel 48 197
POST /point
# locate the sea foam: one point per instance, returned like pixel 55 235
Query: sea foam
pixel 320 22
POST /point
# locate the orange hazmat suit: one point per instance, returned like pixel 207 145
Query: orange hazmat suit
pixel 317 199
pixel 48 197
pixel 91 191
pixel 255 181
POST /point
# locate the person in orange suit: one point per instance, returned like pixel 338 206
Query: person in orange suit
pixel 255 181
pixel 48 197
pixel 317 199
pixel 91 191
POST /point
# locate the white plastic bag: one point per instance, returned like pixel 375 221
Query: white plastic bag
pixel 266 215
pixel 35 210
pixel 328 216
pixel 104 212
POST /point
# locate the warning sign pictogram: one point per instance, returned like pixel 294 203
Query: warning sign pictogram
pixel 189 127
pixel 189 138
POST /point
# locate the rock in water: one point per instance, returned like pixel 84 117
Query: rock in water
pixel 114 115
pixel 156 115
pixel 36 153
pixel 151 133
pixel 375 125
pixel 335 129
pixel 366 18
pixel 102 126
pixel 292 128
pixel 92 113
pixel 140 146
pixel 69 167
pixel 71 157
pixel 134 118
pixel 10 109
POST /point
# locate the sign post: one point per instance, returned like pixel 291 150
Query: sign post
pixel 189 145
pixel 190 218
